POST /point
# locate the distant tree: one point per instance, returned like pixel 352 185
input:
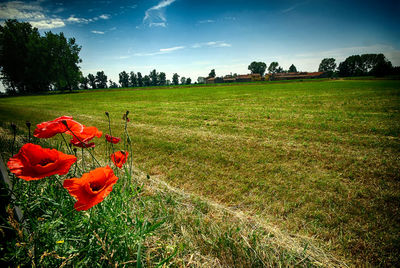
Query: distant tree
pixel 188 81
pixel 280 70
pixel 183 80
pixel 154 77
pixel 139 79
pixel 162 79
pixel 327 65
pixel 273 67
pixel 133 81
pixel 257 67
pixel 112 84
pixel 175 79
pixel 381 66
pixel 168 82
pixel 212 73
pixel 146 81
pixel 101 79
pixel 351 66
pixel 92 81
pixel 124 79
pixel 84 82
pixel 292 69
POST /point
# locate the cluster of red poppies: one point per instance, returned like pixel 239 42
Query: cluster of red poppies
pixel 33 162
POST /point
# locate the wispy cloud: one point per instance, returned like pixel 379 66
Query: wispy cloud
pixel 206 21
pixel 293 7
pixel 104 16
pixel 98 32
pixel 31 12
pixel 73 19
pixel 212 44
pixel 161 51
pixel 155 16
pixel 48 23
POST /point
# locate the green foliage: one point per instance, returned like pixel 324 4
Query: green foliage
pixel 327 65
pixel 292 69
pixel 366 64
pixel 212 73
pixel 133 80
pixel 162 79
pixel 101 79
pixel 124 79
pixel 257 67
pixel 139 79
pixel 188 81
pixel 92 81
pixel 175 79
pixel 154 78
pixel 48 61
pixel 273 67
pixel 146 81
pixel 183 80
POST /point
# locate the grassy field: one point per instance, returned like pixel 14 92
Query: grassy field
pixel 319 160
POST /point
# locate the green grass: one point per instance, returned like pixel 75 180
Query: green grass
pixel 318 159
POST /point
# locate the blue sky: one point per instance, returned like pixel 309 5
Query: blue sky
pixel 191 37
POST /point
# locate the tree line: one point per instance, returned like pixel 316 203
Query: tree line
pixel 356 65
pixel 132 79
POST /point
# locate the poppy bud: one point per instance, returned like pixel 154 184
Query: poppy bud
pixel 28 124
pixel 75 150
pixel 107 114
pixel 127 112
pixel 13 126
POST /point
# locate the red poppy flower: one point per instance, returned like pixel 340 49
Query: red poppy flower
pixel 85 136
pixel 112 139
pixel 33 162
pixel 119 158
pixel 50 128
pixel 91 188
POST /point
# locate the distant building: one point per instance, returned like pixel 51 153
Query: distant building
pixel 297 75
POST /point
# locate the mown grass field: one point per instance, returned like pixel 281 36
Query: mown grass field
pixel 318 159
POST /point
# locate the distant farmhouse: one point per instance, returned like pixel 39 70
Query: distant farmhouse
pixel 258 77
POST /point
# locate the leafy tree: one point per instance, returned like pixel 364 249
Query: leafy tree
pixel 292 69
pixel 327 65
pixel 188 81
pixel 139 79
pixel 84 82
pixel 273 67
pixel 212 73
pixel 32 63
pixel 352 66
pixel 146 81
pixel 381 66
pixel 92 81
pixel 154 77
pixel 112 84
pixel 64 55
pixel 162 79
pixel 124 79
pixel 133 81
pixel 257 67
pixel 183 80
pixel 279 69
pixel 101 79
pixel 175 79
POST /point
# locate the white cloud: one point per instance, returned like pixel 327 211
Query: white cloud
pixel 48 24
pixel 98 32
pixel 206 21
pixel 21 11
pixel 73 19
pixel 154 16
pixel 212 44
pixel 104 16
pixel 161 51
